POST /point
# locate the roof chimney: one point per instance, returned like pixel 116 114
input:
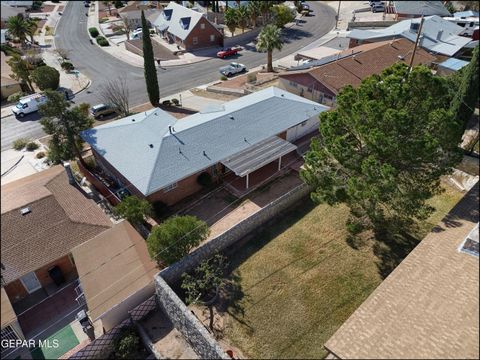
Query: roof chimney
pixel 68 170
pixel 439 34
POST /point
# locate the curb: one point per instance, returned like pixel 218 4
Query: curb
pixel 85 87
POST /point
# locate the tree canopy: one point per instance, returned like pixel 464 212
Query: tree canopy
pixel 149 65
pixel 269 39
pixel 383 149
pixel 133 209
pixel 46 77
pixel 21 71
pixel 175 237
pixel 64 124
pixel 282 15
pixel 231 20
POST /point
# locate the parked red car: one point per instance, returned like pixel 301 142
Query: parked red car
pixel 228 52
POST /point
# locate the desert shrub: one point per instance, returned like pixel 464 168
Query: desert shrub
pixel 15 97
pixel 102 41
pixel 102 20
pixel 19 144
pixel 127 344
pixel 40 155
pixel 31 146
pixel 175 101
pixel 223 78
pixel 166 103
pixel 251 78
pixel 204 179
pixel 93 32
pixel 118 4
pixel 67 66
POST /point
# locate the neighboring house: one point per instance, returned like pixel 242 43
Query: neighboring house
pixel 187 28
pixel 7 11
pixel 43 218
pixel 132 13
pixel 8 86
pixel 163 157
pixel 450 66
pixel 428 307
pixel 414 9
pixel 11 329
pixel 25 4
pixel 114 284
pixel 323 82
pixel 438 36
pixel 468 20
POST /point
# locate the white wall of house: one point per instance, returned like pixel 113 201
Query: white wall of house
pixel 119 313
pixel 303 129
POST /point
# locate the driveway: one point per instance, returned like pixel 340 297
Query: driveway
pixel 99 66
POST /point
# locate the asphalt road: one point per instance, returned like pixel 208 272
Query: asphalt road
pixel 100 66
pixel 12 129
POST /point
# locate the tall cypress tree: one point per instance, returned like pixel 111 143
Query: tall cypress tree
pixel 149 65
pixel 466 98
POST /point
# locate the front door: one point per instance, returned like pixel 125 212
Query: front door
pixel 30 282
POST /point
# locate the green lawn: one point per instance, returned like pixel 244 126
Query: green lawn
pixel 298 281
pixel 67 340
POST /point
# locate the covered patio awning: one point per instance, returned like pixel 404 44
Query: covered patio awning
pixel 258 155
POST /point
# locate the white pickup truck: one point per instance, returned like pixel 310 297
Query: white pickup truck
pixel 28 104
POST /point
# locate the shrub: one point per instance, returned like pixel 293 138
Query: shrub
pixel 19 144
pixel 175 237
pixel 251 78
pixel 118 4
pixel 127 344
pixel 102 41
pixel 160 208
pixel 204 179
pixel 46 77
pixel 67 66
pixel 166 103
pixel 40 155
pixel 101 21
pixel 15 97
pixel 9 50
pixel 133 209
pixel 93 32
pixel 223 78
pixel 31 146
pixel 175 101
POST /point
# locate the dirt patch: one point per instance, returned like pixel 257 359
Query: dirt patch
pixel 159 51
pixel 46 9
pixel 167 340
pixel 211 95
pixel 241 81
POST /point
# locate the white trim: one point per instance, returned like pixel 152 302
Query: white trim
pixel 36 278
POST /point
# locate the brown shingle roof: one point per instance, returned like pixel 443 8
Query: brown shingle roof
pixel 428 306
pixel 369 59
pixel 61 218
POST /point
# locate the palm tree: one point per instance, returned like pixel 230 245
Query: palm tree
pixel 231 19
pixel 18 27
pixel 265 9
pixel 253 11
pixel 32 29
pixel 269 39
pixel 242 14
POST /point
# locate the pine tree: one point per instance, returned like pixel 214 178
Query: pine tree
pixel 149 65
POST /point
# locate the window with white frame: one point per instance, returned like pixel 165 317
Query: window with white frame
pixel 212 38
pixel 170 187
pixel 202 26
pixel 195 40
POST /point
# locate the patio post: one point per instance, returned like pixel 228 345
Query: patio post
pixel 279 163
pixel 247 180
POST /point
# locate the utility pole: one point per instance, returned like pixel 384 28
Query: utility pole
pixel 338 14
pixel 416 45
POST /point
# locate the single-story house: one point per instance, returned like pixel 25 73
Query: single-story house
pixel 450 66
pixel 114 284
pixel 187 28
pixel 132 13
pixel 428 307
pixel 413 9
pixel 322 83
pixel 438 36
pixel 44 217
pixel 8 85
pixel 163 157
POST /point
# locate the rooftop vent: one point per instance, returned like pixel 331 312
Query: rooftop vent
pixel 414 26
pixel 25 211
pixel 204 153
pixel 282 95
pixel 151 146
pixel 133 120
pixel 231 117
pixel 401 57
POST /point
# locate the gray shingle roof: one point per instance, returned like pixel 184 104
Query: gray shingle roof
pixel 178 19
pixel 421 8
pixel 439 36
pixel 220 134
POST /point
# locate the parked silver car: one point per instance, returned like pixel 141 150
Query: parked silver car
pixel 232 69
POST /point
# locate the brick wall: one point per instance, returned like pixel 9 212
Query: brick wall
pixel 203 36
pixel 324 96
pixel 15 291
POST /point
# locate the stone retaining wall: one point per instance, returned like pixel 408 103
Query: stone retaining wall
pixel 370 24
pixel 184 321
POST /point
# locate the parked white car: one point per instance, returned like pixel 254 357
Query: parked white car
pixel 28 104
pixel 233 68
pixel 136 34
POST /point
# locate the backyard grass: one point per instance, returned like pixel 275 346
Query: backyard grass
pixel 298 280
pixel 66 341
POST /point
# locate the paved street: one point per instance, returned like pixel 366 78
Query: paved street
pixel 100 66
pixel 28 127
